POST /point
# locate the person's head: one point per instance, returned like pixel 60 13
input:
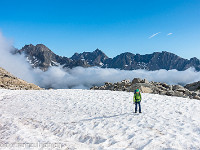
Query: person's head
pixel 137 91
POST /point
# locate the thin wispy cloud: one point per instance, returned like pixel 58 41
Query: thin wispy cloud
pixel 169 34
pixel 154 35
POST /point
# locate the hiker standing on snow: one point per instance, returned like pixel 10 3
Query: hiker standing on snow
pixel 137 99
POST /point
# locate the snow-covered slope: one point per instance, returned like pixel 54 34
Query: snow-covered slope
pixel 83 119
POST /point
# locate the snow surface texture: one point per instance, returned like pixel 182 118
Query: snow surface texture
pixel 84 119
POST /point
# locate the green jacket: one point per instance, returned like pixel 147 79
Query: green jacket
pixel 137 97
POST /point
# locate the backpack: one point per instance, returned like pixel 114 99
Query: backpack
pixel 135 93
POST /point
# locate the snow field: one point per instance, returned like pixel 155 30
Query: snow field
pixel 87 119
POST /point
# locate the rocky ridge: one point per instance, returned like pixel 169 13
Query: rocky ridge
pixel 153 87
pixel 42 57
pixel 8 81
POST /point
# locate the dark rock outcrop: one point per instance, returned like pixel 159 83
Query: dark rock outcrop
pixel 193 86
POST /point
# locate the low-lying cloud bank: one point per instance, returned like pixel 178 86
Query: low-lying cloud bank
pixel 84 78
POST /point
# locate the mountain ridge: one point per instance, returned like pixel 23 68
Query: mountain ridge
pixel 42 57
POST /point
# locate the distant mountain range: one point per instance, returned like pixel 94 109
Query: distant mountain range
pixel 42 57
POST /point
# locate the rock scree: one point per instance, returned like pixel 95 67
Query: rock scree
pixel 191 91
pixel 8 81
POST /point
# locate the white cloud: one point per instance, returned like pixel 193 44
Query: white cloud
pixel 15 64
pixel 154 35
pixel 169 34
pixel 84 78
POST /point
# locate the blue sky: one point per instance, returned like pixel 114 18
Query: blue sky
pixel 114 26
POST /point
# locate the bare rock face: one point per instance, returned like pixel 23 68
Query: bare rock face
pixel 170 93
pixel 40 56
pixel 193 86
pixel 136 80
pixel 145 81
pixel 150 87
pixel 8 81
pixel 143 87
pixel 178 88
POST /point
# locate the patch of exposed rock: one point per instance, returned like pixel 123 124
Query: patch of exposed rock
pixel 193 86
pixel 150 87
pixel 8 81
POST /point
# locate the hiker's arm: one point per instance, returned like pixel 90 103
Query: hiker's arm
pixel 134 99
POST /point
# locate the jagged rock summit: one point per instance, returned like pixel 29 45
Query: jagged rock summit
pixel 96 58
pixel 8 81
pixel 42 57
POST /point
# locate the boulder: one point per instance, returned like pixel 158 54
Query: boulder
pixel 193 86
pixel 170 93
pixel 196 97
pixel 102 87
pixel 119 83
pixel 178 87
pixel 170 87
pixel 181 89
pixel 108 83
pixel 194 94
pixel 165 85
pixel 179 94
pixel 136 80
pixel 126 81
pixel 187 92
pixel 155 92
pixel 161 87
pixel 145 81
pixel 162 92
pixel 144 89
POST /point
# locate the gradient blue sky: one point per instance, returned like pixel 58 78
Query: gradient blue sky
pixel 114 26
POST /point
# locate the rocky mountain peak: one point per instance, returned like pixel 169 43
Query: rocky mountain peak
pixel 194 59
pixel 98 51
pixel 39 56
pixel 42 47
pixel 38 48
pixel 42 57
pixel 95 58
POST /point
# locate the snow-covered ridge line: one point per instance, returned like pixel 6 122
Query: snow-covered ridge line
pixel 89 119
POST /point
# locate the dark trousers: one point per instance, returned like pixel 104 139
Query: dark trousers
pixel 137 103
